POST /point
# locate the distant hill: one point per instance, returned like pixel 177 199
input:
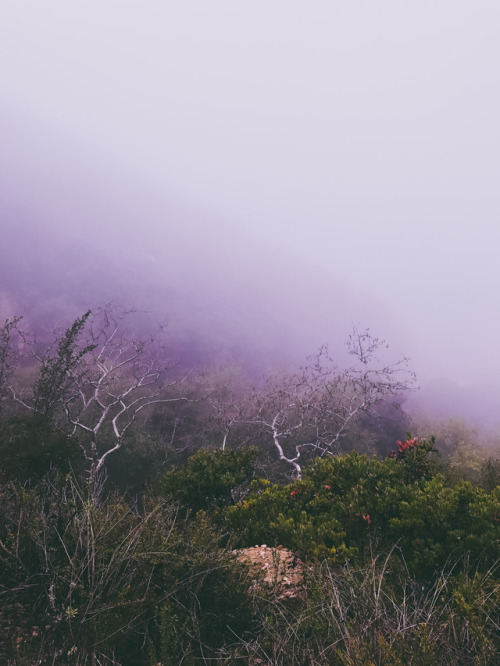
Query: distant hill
pixel 79 230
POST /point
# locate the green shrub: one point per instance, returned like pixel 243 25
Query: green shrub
pixel 333 511
pixel 30 447
pixel 211 479
pixel 439 524
pixel 345 505
pixel 400 567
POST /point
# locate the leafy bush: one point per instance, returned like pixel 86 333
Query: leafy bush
pixel 439 524
pixel 211 479
pixel 31 446
pixel 345 505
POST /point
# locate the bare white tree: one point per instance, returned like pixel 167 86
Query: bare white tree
pixel 100 375
pixel 315 409
pixel 119 377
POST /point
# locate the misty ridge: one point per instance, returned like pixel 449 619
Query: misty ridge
pixel 77 234
pixel 140 468
pixel 79 231
pixel 86 236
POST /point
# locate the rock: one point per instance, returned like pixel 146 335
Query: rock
pixel 278 568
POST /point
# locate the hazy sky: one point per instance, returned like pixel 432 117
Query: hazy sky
pixel 362 136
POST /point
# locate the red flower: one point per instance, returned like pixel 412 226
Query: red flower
pixel 408 444
pixel 328 487
pixel 366 516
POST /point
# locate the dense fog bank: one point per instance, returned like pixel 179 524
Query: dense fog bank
pixel 97 234
pixel 79 230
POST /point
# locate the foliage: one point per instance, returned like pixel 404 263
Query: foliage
pixel 414 456
pixel 56 369
pixel 30 447
pixel 211 478
pixel 344 505
pixel 399 555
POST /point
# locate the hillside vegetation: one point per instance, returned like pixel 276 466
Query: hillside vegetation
pixel 134 490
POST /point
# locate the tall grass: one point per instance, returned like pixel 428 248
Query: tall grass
pixel 84 578
pixel 87 580
pixel 381 615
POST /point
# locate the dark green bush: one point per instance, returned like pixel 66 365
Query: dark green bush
pixel 211 479
pixel 345 505
pixel 400 566
pixel 32 446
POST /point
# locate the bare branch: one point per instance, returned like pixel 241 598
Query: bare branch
pixel 98 377
pixel 316 408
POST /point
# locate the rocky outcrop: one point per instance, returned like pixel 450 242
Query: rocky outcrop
pixel 276 568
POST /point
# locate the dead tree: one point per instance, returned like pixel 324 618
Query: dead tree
pixel 100 375
pixel 314 410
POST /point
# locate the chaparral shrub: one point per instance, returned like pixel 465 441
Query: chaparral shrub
pixel 211 479
pixel 345 505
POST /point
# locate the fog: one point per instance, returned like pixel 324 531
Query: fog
pixel 262 175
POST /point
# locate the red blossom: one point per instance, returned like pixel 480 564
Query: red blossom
pixel 366 516
pixel 407 444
